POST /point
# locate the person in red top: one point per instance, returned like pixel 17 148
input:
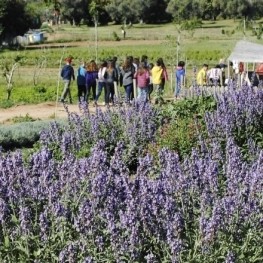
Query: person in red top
pixel 259 71
pixel 142 77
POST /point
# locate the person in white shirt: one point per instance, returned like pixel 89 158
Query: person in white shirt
pixel 215 76
pixel 101 80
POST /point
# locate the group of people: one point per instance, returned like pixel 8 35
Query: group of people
pixel 214 76
pixel 221 74
pixel 136 76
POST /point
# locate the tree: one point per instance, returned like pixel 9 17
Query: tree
pixel 183 9
pixel 152 11
pixel 97 11
pixel 15 19
pixel 122 11
pixel 8 68
pixel 75 11
pixel 248 9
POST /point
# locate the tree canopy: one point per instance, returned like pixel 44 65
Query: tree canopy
pixel 211 9
pixel 17 16
pixel 156 11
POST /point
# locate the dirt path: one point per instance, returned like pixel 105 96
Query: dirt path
pixel 41 111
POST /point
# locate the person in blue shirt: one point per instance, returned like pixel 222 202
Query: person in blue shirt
pixel 67 74
pixel 179 77
pixel 81 81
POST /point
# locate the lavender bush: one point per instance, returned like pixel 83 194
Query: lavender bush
pixel 205 208
pixel 134 126
pixel 239 114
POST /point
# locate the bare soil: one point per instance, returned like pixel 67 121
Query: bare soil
pixel 42 111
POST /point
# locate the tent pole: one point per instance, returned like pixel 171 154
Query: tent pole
pixel 228 70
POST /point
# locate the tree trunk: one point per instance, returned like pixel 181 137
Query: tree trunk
pixel 8 94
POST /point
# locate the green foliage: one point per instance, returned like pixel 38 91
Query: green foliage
pixel 191 24
pixel 184 122
pixel 29 94
pixel 76 11
pixel 24 19
pixel 188 108
pixel 205 55
pixel 4 104
pixel 125 11
pixel 115 36
pixel 26 118
pixel 181 135
pixel 46 28
pixel 40 89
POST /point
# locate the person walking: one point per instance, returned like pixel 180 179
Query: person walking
pixel 214 75
pixel 142 77
pixel 165 74
pixel 179 77
pixel 101 81
pixel 201 78
pixel 150 86
pixel 67 74
pixel 111 75
pixel 81 82
pixel 91 80
pixel 159 76
pixel 127 73
pixel 144 60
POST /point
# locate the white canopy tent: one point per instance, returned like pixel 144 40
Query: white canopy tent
pixel 246 52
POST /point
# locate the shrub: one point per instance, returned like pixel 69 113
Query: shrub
pixel 184 122
pixel 115 36
pixel 6 104
pixel 20 118
pixel 22 134
pixel 134 127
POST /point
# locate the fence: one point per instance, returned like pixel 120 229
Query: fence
pixel 194 91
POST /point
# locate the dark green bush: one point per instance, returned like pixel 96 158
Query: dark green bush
pixel 6 104
pixel 115 36
pixel 183 123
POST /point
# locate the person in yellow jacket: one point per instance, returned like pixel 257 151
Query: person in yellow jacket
pixel 201 78
pixel 159 76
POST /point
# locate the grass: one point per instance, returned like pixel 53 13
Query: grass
pixel 202 45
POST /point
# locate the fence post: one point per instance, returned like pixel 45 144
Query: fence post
pixel 134 89
pixel 116 90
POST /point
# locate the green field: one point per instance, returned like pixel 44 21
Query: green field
pixel 37 76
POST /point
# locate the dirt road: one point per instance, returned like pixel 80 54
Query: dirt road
pixel 42 111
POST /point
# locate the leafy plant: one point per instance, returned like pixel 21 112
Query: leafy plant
pixel 183 125
pixel 6 104
pixel 115 36
pixel 25 118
